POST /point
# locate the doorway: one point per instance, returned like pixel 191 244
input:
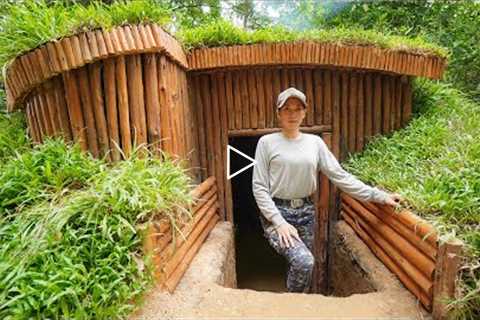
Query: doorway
pixel 258 266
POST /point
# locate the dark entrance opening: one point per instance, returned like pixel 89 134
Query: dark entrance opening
pixel 258 266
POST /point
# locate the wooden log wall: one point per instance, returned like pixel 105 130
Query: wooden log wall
pixel 112 106
pixel 409 247
pixel 171 252
pixel 353 106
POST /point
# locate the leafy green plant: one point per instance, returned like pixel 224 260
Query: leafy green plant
pixel 78 255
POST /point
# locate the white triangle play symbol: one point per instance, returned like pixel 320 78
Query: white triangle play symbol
pixel 229 176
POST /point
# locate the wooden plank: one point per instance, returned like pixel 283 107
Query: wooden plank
pixel 398 103
pixel 252 99
pixel 152 101
pixel 407 101
pixel 269 98
pixel 368 107
pixel 72 98
pixel 245 100
pixel 360 114
pixel 165 105
pixel 389 262
pixel 387 93
pixel 446 271
pixel 259 84
pixel 238 114
pixel 208 123
pixel 88 113
pixel 310 117
pixel 202 143
pixel 259 132
pixel 377 104
pixel 230 102
pixel 136 100
pixel 353 111
pixel 336 114
pixel 62 108
pixel 44 114
pixel 327 97
pixel 217 132
pixel 110 91
pixel 318 93
pixel 51 106
pixel 277 88
pixel 345 92
pixel 122 105
pixel 99 108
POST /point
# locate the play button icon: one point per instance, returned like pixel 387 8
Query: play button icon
pixel 253 162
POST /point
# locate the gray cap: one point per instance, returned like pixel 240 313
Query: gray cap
pixel 290 93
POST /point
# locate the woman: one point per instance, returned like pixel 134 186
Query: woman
pixel 284 181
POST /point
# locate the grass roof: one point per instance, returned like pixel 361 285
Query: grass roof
pixel 34 22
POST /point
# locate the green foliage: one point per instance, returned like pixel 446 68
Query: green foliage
pixel 13 137
pixel 42 172
pixel 434 162
pixel 223 33
pixel 451 24
pixel 31 23
pixel 77 254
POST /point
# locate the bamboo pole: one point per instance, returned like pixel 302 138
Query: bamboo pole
pixel 318 96
pixel 353 111
pixel 336 114
pixel 447 267
pixel 230 100
pixel 63 113
pixel 110 92
pixel 75 109
pixel 259 132
pixel 122 104
pixel 172 263
pixel 269 101
pixel 99 108
pixel 408 233
pixel 174 279
pixel 245 100
pixel 201 127
pixel 344 114
pixel 407 265
pixel 252 99
pixel 377 105
pixel 360 114
pixel 397 242
pixel 152 100
pixel 389 262
pixel 87 108
pixel 259 84
pixel 308 77
pixel 368 107
pixel 136 102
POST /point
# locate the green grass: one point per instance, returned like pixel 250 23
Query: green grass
pixel 32 23
pixel 434 162
pixel 35 22
pixel 76 252
pixel 71 226
pixel 223 33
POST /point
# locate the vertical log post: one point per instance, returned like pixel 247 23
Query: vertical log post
pixel 448 260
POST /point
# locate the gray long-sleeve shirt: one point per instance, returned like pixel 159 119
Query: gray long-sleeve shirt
pixel 288 169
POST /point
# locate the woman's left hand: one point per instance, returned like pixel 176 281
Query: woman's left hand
pixel 394 199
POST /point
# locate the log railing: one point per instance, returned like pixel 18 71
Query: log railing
pixel 171 257
pixel 410 248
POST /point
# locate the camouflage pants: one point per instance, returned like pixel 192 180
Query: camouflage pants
pixel 299 257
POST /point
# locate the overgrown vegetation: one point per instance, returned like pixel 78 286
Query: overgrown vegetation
pixel 34 22
pixel 451 24
pixel 71 226
pixel 222 33
pixel 435 163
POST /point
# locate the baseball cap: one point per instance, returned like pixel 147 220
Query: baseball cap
pixel 290 93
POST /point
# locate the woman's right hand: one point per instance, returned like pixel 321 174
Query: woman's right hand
pixel 286 232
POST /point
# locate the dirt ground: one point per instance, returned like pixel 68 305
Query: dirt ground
pixel 202 294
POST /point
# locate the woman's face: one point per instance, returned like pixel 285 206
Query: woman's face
pixel 291 114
